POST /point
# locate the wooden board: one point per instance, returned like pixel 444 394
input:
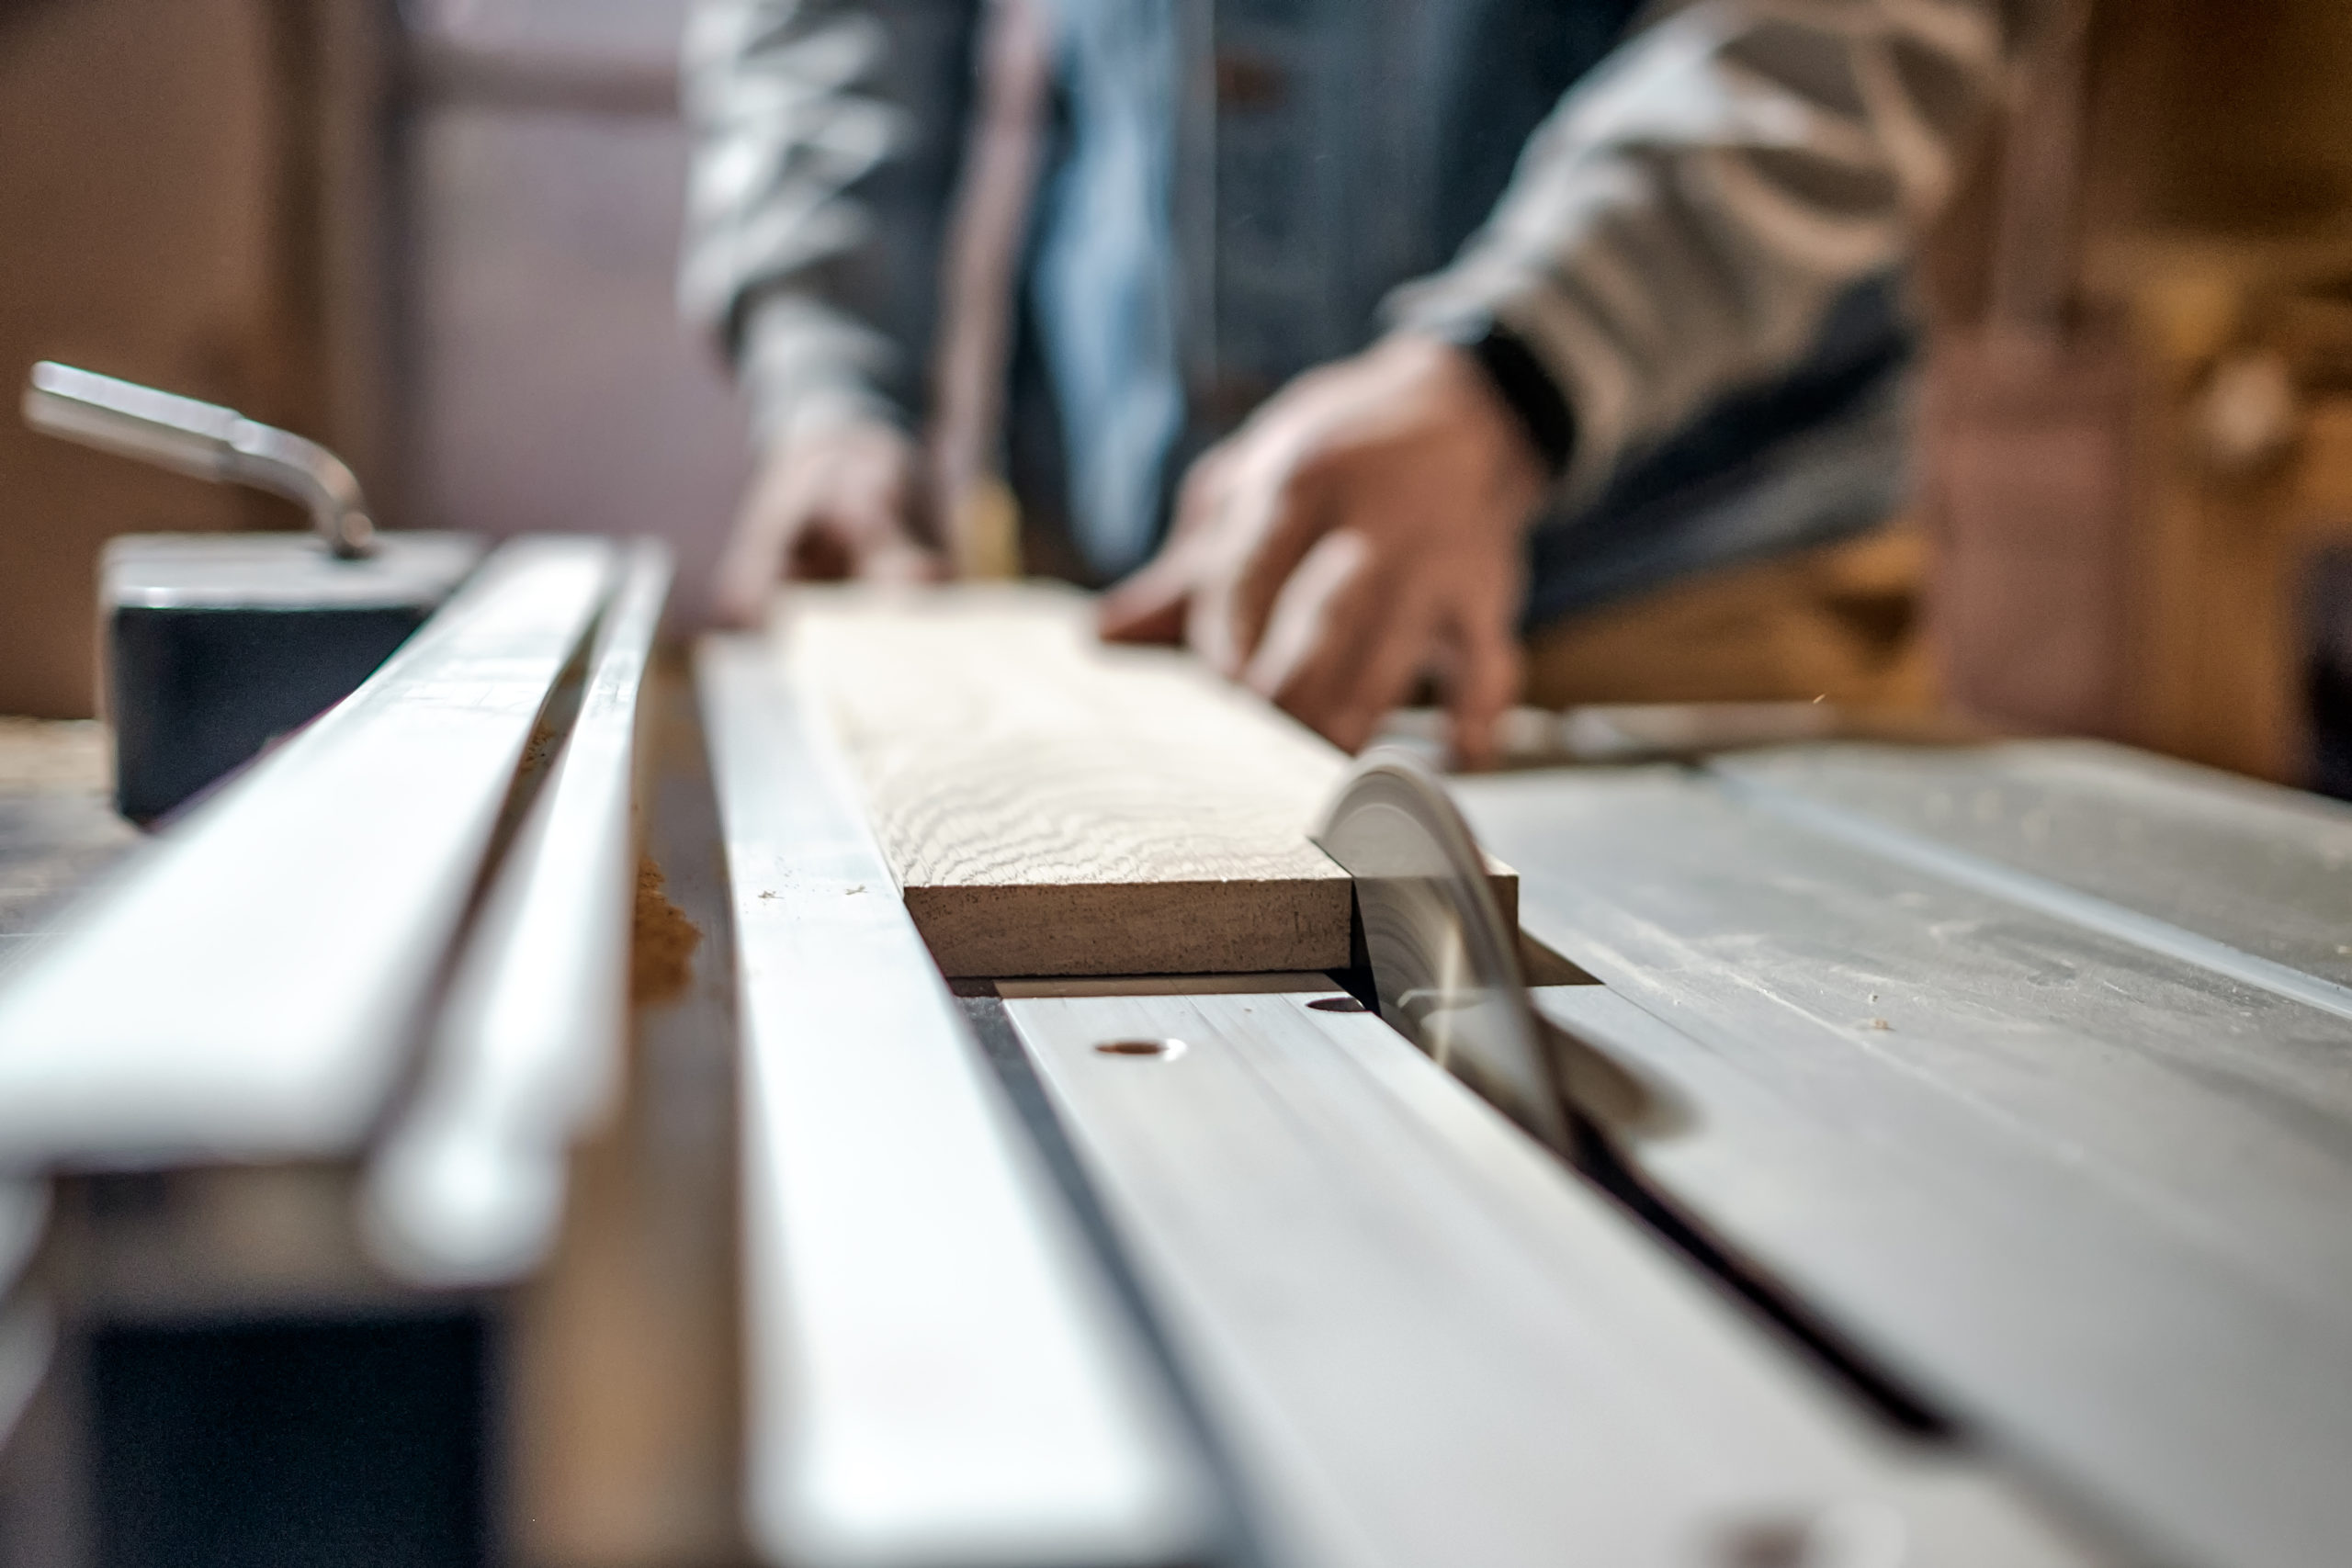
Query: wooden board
pixel 1052 807
pixel 2086 1196
pixel 1425 1343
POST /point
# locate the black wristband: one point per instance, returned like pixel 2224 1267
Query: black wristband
pixel 1524 386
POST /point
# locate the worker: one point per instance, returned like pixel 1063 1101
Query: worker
pixel 1561 301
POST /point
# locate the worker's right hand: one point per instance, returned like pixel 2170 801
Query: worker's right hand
pixel 1364 529
pixel 836 502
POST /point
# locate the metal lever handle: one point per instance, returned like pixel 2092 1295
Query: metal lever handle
pixel 204 440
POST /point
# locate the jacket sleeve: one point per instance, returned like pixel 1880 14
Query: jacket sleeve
pixel 1683 222
pixel 827 136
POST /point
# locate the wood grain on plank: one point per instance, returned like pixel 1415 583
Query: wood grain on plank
pixel 1053 806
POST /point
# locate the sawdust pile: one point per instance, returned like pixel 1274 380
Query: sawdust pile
pixel 662 955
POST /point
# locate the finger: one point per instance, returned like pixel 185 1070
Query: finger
pixel 733 602
pixel 1148 605
pixel 1484 682
pixel 746 576
pixel 1331 580
pixel 1375 641
pixel 1202 494
pixel 877 540
pixel 1380 681
pixel 1344 642
pixel 1274 514
pixel 901 562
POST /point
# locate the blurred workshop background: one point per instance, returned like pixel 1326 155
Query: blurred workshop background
pixel 440 235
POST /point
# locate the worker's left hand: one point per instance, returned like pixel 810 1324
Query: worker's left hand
pixel 1362 529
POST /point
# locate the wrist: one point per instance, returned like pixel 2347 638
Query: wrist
pixel 1540 412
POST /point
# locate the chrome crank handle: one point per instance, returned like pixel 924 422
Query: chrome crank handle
pixel 204 440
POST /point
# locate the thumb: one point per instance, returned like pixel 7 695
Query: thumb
pixel 745 579
pixel 1485 681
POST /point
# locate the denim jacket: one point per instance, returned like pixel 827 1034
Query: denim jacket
pixel 1695 217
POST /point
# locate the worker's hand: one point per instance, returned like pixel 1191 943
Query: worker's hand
pixel 1364 528
pixel 836 502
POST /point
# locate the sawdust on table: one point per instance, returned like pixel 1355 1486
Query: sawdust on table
pixel 661 952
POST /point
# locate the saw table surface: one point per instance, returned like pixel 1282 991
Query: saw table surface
pixel 1396 1334
pixel 2012 1077
pixel 2025 1067
pixel 1427 1343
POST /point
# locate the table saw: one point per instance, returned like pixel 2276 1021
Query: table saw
pixel 1952 1159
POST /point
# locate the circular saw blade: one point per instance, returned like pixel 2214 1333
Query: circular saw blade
pixel 1445 966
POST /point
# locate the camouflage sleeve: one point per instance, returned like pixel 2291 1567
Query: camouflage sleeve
pixel 827 135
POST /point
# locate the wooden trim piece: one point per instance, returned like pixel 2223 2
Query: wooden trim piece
pixel 1053 808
